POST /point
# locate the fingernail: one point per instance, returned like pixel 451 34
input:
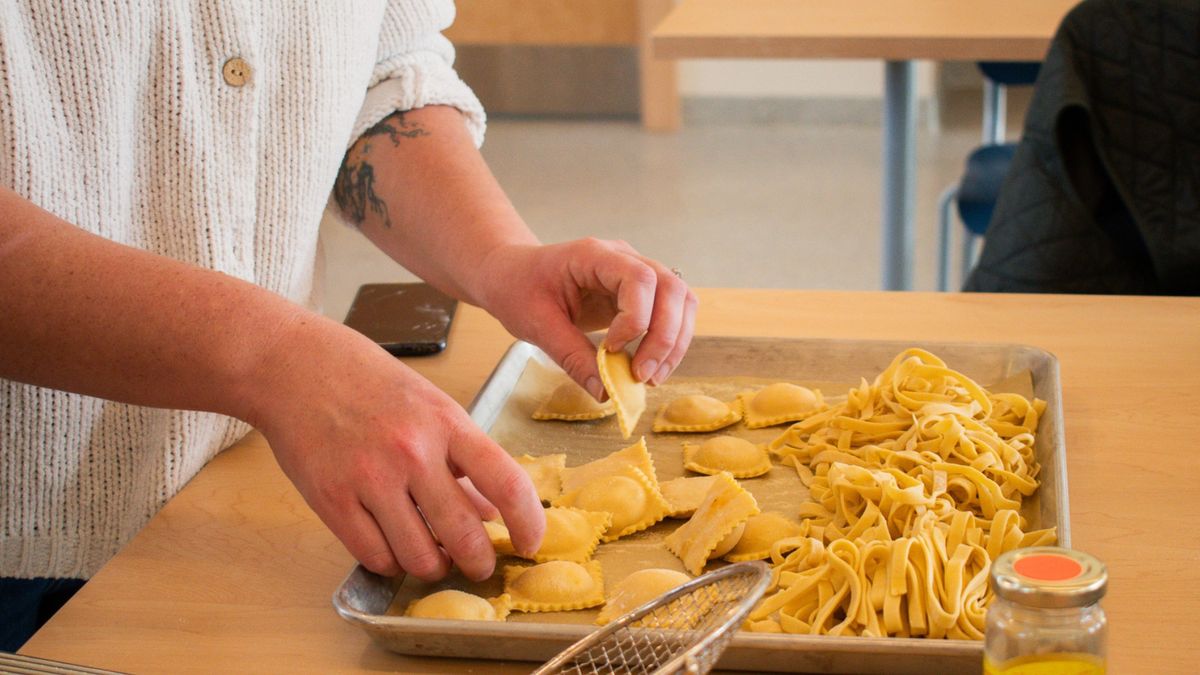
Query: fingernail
pixel 662 373
pixel 647 369
pixel 595 388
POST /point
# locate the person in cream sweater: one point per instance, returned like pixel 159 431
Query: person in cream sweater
pixel 163 170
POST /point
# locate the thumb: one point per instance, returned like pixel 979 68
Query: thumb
pixel 574 353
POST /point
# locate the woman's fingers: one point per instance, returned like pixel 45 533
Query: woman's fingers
pixel 407 535
pixel 455 521
pixel 486 509
pixel 503 483
pixel 666 326
pixel 360 534
pixel 683 340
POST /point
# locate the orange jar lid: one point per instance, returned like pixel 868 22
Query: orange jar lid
pixel 1049 577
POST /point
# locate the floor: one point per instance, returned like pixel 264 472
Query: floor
pixel 738 205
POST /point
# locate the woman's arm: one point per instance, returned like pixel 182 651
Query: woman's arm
pixel 374 448
pixel 417 187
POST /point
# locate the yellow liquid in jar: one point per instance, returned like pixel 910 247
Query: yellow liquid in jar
pixel 1047 664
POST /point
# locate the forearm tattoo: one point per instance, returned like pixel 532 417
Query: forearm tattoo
pixel 354 189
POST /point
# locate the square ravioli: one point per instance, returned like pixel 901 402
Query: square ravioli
pixel 557 586
pixel 628 495
pixel 636 455
pixel 545 472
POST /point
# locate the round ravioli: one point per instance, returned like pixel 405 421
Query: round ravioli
pixel 761 533
pixel 571 403
pixel 555 586
pixel 545 472
pixel 739 457
pixel 637 589
pixel 451 604
pixel 696 413
pixel 779 403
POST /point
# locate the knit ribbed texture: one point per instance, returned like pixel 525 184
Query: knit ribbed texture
pixel 115 116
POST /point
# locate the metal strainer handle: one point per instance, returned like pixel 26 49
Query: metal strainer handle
pixel 682 631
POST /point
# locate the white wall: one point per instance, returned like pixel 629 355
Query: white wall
pixel 790 78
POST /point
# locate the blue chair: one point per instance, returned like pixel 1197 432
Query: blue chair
pixel 977 191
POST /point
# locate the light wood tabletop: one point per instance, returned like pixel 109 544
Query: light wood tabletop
pixel 236 573
pixel 972 30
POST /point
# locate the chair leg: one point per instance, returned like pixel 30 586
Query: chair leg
pixel 969 255
pixel 945 202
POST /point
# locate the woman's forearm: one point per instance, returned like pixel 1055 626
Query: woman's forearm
pixel 81 313
pixel 419 189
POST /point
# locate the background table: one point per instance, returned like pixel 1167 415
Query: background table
pixel 898 31
pixel 236 573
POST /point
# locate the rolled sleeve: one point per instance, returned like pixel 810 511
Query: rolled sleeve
pixel 414 68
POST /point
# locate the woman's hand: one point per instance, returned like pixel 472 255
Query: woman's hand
pixel 386 459
pixel 551 295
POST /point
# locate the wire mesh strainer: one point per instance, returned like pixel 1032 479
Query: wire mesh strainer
pixel 682 631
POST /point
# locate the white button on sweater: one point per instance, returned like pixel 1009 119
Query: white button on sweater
pixel 122 118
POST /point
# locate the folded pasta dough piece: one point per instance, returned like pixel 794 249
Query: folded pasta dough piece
pixel 452 604
pixel 637 589
pixel 762 532
pixel 556 586
pixel 571 403
pixel 779 403
pixel 627 394
pixel 684 495
pixel 636 455
pixel 696 413
pixel 632 499
pixel 724 509
pixel 545 472
pixel 739 457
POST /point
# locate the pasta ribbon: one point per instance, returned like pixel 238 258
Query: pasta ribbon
pixel 916 482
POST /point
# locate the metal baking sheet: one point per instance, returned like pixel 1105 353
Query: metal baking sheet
pixel 719 366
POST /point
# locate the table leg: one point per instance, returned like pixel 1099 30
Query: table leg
pixel 899 172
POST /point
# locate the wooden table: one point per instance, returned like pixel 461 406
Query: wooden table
pixel 236 573
pixel 897 31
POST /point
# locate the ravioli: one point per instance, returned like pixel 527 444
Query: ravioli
pixel 571 403
pixel 451 604
pixel 626 393
pixel 498 533
pixel 726 506
pixel 556 586
pixel 684 495
pixel 632 499
pixel 545 472
pixel 779 403
pixel 571 534
pixel 739 457
pixel 636 455
pixel 696 413
pixel 762 532
pixel 637 589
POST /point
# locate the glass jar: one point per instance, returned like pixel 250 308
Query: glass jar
pixel 1045 617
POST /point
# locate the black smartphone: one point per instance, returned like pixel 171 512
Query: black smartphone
pixel 405 319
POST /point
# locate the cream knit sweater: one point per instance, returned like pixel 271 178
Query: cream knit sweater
pixel 119 117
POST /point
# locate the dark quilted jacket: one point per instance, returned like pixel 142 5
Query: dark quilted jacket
pixel 1104 191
